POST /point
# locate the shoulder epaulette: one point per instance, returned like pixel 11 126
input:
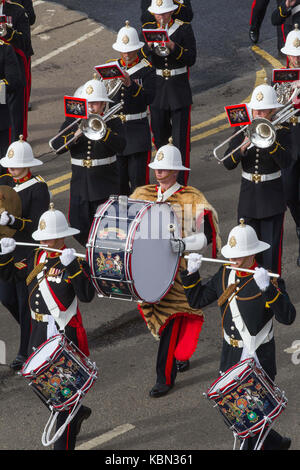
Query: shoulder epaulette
pixel 16 3
pixel 146 62
pixel 40 178
pixel 5 174
pixel 149 22
pixel 181 22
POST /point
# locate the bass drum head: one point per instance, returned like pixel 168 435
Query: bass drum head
pixel 154 265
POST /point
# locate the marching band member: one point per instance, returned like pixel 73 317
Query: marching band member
pixel 291 175
pixel 55 282
pixel 171 108
pixel 34 196
pixel 11 106
pixel 18 35
pixel 184 11
pixel 261 201
pixel 248 304
pixel 172 320
pixel 94 162
pixel 284 16
pixel 137 92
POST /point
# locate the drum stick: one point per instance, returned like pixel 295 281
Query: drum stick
pixel 212 260
pixel 79 255
pixel 251 271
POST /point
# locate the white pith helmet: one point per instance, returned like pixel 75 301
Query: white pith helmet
pixel 94 90
pixel 168 157
pixel 127 39
pixel 292 43
pixel 19 155
pixel 52 225
pixel 162 6
pixel 264 97
pixel 242 241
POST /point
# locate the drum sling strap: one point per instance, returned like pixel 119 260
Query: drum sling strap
pixel 62 318
pixel 162 197
pixel 252 343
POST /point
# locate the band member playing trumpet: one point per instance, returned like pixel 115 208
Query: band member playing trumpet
pixel 171 320
pixel 184 11
pixel 261 200
pixel 291 175
pixel 94 162
pixel 33 193
pixel 248 304
pixel 171 108
pixel 55 282
pixel 137 92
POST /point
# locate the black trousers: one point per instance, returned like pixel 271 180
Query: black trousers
pixel 81 216
pixel 291 183
pixel 14 297
pixel 133 171
pixel 166 370
pixel 257 14
pixel 269 230
pixel 166 123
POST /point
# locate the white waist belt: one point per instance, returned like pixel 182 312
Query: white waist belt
pixel 166 73
pixel 132 117
pixel 94 162
pixel 260 178
pixel 40 316
pixel 238 343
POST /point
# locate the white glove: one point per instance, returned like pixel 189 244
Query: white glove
pixel 195 242
pixel 194 262
pixel 261 278
pixel 7 245
pixel 67 256
pixel 6 219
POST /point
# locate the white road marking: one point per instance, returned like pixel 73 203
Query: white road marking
pixel 38 2
pixel 108 436
pixel 66 46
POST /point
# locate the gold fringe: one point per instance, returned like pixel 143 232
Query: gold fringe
pixel 227 293
pixel 38 268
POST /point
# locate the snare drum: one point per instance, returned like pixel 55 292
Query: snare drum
pixel 60 373
pixel 129 250
pixel 247 398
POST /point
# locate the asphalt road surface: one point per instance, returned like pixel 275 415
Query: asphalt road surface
pixel 69 38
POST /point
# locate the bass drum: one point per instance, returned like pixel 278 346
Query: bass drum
pixel 129 250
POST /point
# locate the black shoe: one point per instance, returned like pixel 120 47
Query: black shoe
pixel 18 362
pixel 182 366
pixel 254 35
pixel 159 390
pixel 83 413
pixel 285 443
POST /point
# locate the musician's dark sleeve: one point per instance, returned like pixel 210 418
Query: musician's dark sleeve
pixel 278 301
pixel 141 96
pixel 28 5
pixel 200 295
pixel 79 276
pixel 113 138
pixel 280 14
pixel 234 158
pixel 9 271
pixel 185 53
pixel 281 150
pixel 12 72
pixel 66 136
pixel 39 203
pixel 19 34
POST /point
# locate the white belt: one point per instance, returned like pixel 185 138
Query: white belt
pixel 260 178
pixel 132 117
pixel 40 316
pixel 166 73
pixel 93 162
pixel 238 343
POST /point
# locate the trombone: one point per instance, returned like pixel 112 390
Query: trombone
pixel 94 127
pixel 261 132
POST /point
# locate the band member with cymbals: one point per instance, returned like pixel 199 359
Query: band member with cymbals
pixel 34 197
pixel 248 304
pixel 261 201
pixel 171 108
pixel 67 280
pixel 137 92
pixel 94 162
pixel 171 320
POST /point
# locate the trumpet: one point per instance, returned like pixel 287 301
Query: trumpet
pixel 261 132
pixel 94 127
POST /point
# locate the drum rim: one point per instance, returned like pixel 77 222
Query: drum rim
pixel 38 370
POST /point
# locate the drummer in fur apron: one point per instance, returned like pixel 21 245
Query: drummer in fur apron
pixel 55 281
pixel 248 304
pixel 172 320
